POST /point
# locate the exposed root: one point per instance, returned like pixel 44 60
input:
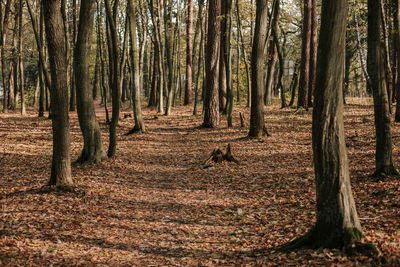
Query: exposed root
pixel 219 156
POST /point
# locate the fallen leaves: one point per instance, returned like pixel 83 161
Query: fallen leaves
pixel 154 204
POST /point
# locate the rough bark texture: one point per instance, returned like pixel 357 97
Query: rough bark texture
pixel 134 55
pixel 305 57
pixel 337 223
pixel 376 71
pixel 93 150
pixel 61 163
pixel 189 53
pixel 257 127
pixel 222 88
pixel 211 100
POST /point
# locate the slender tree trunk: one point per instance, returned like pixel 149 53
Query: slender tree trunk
pixel 294 83
pixel 337 224
pixel 4 20
pixel 115 77
pixel 93 150
pixel 388 67
pixel 189 53
pixel 313 52
pixel 376 71
pixel 228 61
pixel 134 56
pixel 199 63
pixel 257 126
pixel 20 59
pixel 397 33
pixel 305 57
pixel 61 163
pixel 211 99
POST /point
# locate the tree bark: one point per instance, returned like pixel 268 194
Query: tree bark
pixel 337 224
pixel 313 52
pixel 397 47
pixel 211 100
pixel 257 126
pixel 61 163
pixel 305 57
pixel 189 53
pixel 376 70
pixel 93 150
pixel 134 56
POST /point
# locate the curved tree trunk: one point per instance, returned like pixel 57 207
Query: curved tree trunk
pixel 337 223
pixel 376 71
pixel 93 150
pixel 257 127
pixel 61 163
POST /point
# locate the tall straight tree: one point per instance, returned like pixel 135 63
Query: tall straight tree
pixel 4 20
pixel 114 74
pixel 61 163
pixel 305 56
pixel 20 58
pixel 211 100
pixel 93 150
pixel 337 224
pixel 257 126
pixel 376 70
pixel 396 20
pixel 313 52
pixel 189 53
pixel 134 57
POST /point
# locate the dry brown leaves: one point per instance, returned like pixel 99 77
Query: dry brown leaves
pixel 156 204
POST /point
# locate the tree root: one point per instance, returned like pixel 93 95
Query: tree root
pixel 386 170
pixel 347 240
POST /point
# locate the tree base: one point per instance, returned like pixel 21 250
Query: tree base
pixel 135 130
pixel 386 170
pixel 218 156
pixel 347 240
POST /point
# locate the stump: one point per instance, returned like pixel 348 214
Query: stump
pixel 218 156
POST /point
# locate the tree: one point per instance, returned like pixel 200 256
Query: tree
pixel 376 70
pixel 211 100
pixel 305 56
pixel 4 20
pixel 61 163
pixel 257 126
pixel 189 53
pixel 137 110
pixel 337 223
pixel 93 150
pixel 396 21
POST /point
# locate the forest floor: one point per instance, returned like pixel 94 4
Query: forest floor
pixel 156 204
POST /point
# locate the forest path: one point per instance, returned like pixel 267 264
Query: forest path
pixel 154 203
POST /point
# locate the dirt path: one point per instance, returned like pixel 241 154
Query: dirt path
pixel 156 204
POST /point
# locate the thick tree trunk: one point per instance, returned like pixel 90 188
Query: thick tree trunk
pixel 61 164
pixel 337 223
pixel 93 150
pixel 134 56
pixel 211 100
pixel 257 126
pixel 376 71
pixel 305 57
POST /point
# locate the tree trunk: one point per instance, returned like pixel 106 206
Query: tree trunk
pixel 305 57
pixel 337 223
pixel 397 47
pixel 189 54
pixel 211 100
pixel 4 20
pixel 93 150
pixel 313 52
pixel 61 163
pixel 376 71
pixel 228 61
pixel 257 126
pixel 20 59
pixel 115 76
pixel 223 82
pixel 134 56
